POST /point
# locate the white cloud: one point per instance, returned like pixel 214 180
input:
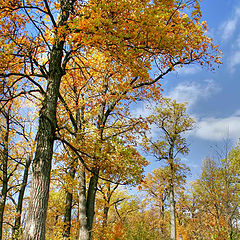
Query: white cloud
pixel 192 92
pixel 229 27
pixel 188 70
pixel 218 128
pixel 234 60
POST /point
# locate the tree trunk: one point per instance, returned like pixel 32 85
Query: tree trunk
pixel 17 222
pixel 172 212
pixel 68 207
pixel 107 204
pixel 82 211
pixel 92 189
pixel 173 235
pixel 3 198
pixel 35 224
pixel 37 213
pixel 4 164
pixel 105 215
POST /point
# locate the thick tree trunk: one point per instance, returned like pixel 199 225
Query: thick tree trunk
pixel 172 212
pixel 17 222
pixel 35 224
pixel 4 164
pixel 82 211
pixel 68 207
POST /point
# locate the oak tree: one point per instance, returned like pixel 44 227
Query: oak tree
pixel 40 40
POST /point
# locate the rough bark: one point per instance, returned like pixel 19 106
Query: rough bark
pixel 68 207
pixel 17 222
pixel 4 163
pixel 35 224
pixel 82 211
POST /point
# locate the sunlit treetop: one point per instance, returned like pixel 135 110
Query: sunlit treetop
pixel 131 34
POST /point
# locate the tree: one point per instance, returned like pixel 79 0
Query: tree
pixel 127 168
pixel 59 32
pixel 15 156
pixel 156 187
pixel 218 191
pixel 171 118
pixel 210 208
pixel 90 124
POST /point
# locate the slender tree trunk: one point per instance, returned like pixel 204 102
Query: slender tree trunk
pixel 173 230
pixel 172 212
pixel 82 211
pixel 3 198
pixel 105 215
pixel 17 222
pixel 92 189
pixel 107 204
pixel 4 164
pixel 68 207
pixel 162 209
pixel 105 220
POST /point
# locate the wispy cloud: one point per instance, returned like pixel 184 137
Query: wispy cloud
pixel 187 70
pixel 192 92
pixel 229 26
pixel 234 60
pixel 218 128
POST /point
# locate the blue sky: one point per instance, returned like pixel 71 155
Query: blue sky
pixel 213 97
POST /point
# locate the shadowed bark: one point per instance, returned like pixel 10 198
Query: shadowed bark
pixel 68 207
pixel 4 169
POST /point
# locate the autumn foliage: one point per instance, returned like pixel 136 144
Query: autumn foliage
pixel 70 74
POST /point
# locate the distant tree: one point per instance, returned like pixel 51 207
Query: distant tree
pixel 210 209
pixel 173 122
pixel 156 186
pixel 218 191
